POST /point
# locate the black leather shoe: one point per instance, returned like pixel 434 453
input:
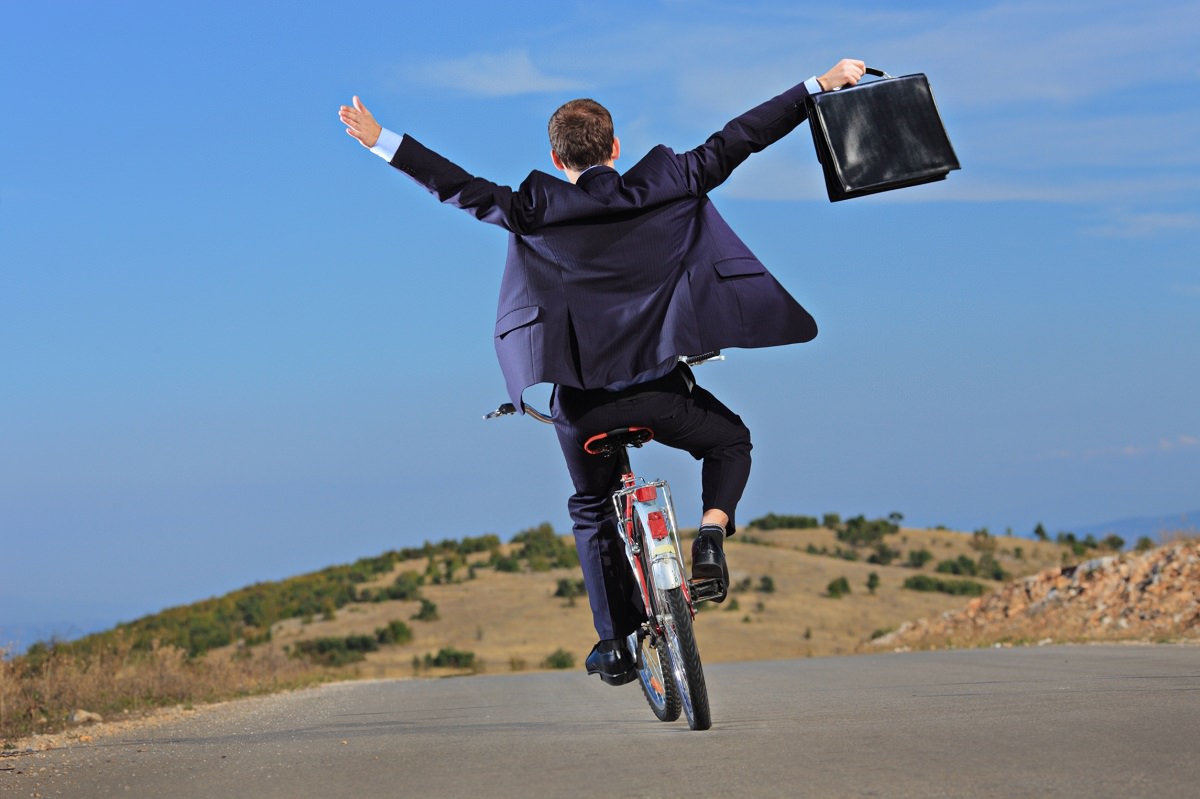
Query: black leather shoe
pixel 613 661
pixel 708 560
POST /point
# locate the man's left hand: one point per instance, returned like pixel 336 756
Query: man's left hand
pixel 360 123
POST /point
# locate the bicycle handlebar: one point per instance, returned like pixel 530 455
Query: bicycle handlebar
pixel 508 409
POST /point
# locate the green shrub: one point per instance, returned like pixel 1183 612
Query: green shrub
pixel 838 588
pixel 962 565
pixel 559 659
pixel 858 531
pixel 883 554
pixel 925 582
pixel 544 549
pixel 774 521
pixel 397 632
pixel 336 651
pixel 569 589
pixel 451 658
pixel 917 558
pixel 990 568
pixel 506 563
pixel 407 586
pixel 428 611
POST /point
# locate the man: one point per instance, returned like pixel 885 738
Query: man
pixel 610 279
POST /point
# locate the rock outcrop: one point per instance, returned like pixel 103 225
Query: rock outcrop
pixel 1148 597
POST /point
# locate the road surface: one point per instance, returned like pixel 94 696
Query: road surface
pixel 1086 721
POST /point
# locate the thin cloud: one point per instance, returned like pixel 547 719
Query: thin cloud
pixel 1164 445
pixel 503 74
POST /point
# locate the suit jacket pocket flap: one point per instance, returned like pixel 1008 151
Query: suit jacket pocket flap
pixel 518 317
pixel 739 267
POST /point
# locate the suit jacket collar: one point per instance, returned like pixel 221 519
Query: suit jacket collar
pixel 592 173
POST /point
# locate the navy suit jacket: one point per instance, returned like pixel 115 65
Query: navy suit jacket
pixel 614 277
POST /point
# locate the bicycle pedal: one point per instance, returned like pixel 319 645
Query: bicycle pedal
pixel 705 590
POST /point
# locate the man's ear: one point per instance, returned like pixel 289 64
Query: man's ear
pixel 558 162
pixel 616 151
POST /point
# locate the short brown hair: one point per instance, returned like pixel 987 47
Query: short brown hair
pixel 581 133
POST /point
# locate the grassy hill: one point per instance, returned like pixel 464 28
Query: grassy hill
pixel 479 605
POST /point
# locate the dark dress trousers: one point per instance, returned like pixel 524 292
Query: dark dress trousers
pixel 607 282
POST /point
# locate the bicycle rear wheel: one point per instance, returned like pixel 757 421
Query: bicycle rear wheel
pixel 654 674
pixel 685 660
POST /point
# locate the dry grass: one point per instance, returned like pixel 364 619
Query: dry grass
pixel 42 693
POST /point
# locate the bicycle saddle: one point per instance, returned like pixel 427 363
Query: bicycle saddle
pixel 613 440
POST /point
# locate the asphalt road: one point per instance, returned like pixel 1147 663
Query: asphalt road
pixel 1087 721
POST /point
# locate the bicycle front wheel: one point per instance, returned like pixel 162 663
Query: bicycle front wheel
pixel 685 664
pixel 654 674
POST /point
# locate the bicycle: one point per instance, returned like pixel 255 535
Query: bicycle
pixel 664 648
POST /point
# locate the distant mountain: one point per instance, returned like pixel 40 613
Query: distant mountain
pixel 1158 529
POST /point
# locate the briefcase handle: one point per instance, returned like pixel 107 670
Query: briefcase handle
pixel 878 73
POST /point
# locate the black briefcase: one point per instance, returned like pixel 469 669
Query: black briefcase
pixel 880 135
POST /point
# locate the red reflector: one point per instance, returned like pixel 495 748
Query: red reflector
pixel 646 494
pixel 658 526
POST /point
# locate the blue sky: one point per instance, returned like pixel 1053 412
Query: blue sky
pixel 237 347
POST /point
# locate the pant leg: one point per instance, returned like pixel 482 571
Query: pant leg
pixel 716 436
pixel 613 593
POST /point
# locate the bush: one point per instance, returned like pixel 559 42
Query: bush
pixel 766 584
pixel 924 582
pixel 990 568
pixel 917 558
pixel 838 588
pixel 774 521
pixel 336 651
pixel 545 549
pixel 559 659
pixel 407 586
pixel 962 565
pixel 428 611
pixel 861 532
pixel 397 632
pixel 982 541
pixel 569 589
pixel 451 658
pixel 883 554
pixel 506 563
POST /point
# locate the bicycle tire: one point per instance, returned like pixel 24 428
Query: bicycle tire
pixel 655 677
pixel 685 660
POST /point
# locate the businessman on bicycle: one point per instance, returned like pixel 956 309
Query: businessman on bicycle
pixel 610 278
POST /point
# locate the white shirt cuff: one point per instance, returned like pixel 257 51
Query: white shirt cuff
pixel 812 84
pixel 387 145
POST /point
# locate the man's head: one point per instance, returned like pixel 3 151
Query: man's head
pixel 581 135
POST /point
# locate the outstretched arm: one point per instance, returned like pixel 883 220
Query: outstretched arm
pixel 360 123
pixel 708 165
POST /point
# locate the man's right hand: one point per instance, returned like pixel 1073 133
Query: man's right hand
pixel 846 72
pixel 360 123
